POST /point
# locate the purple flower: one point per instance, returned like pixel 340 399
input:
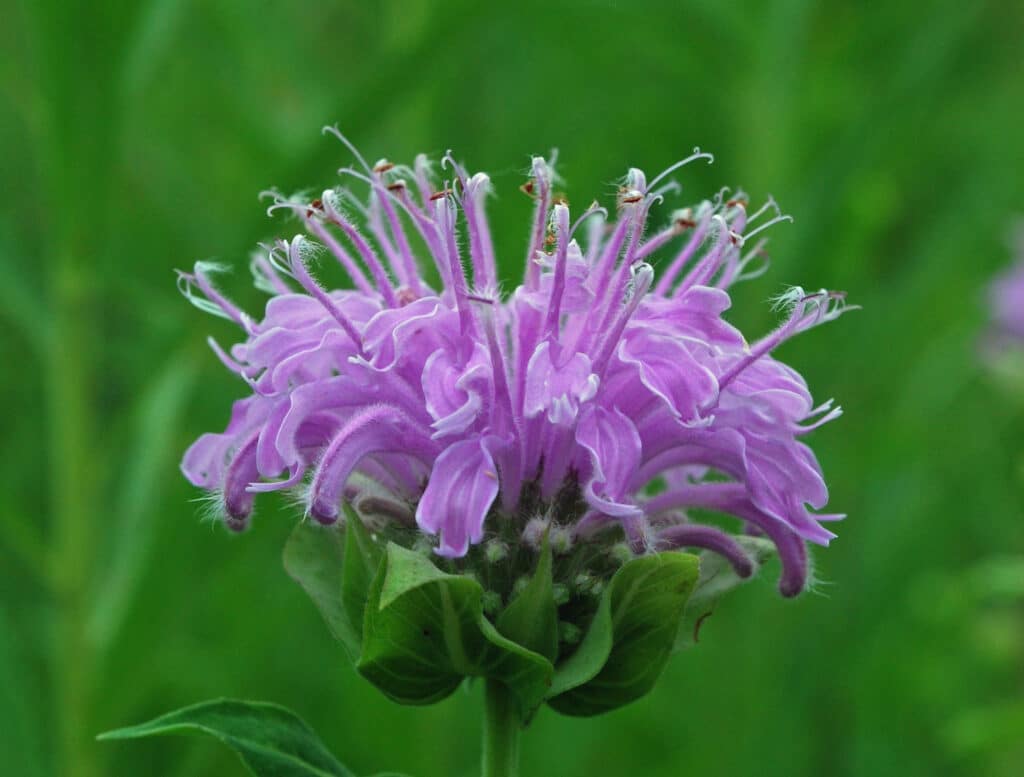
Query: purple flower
pixel 598 396
pixel 1006 297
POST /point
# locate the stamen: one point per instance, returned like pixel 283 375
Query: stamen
pixel 214 303
pixel 561 223
pixel 705 270
pixel 406 269
pixel 343 256
pixel 741 273
pixel 806 311
pixel 421 170
pixel 697 154
pixel 593 210
pixel 742 239
pixel 324 208
pixel 274 253
pixel 355 152
pixel 825 411
pixel 656 242
pixel 427 230
pixel 541 186
pixel 224 358
pixel 606 263
pixel 369 256
pixel 298 266
pixel 659 194
pixel 640 284
pixel 265 276
pixel 481 250
pixel 444 216
pixel 668 278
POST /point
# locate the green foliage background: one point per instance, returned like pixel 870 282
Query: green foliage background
pixel 134 140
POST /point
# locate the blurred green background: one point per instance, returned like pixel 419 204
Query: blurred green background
pixel 135 139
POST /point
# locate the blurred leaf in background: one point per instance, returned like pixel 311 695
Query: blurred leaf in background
pixel 135 137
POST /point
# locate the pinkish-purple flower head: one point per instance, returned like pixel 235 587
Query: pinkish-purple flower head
pixel 602 398
pixel 1006 297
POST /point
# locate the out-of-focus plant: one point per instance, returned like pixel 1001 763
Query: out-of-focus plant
pixel 1003 343
pixel 976 619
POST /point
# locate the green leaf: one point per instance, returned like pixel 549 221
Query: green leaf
pixel 717 578
pixel 425 631
pixel 592 653
pixel 645 603
pixel 532 618
pixel 336 572
pixel 270 740
pixel 314 556
pixel 22 730
pixel 362 559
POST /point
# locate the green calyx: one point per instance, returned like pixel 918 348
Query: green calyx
pixel 585 631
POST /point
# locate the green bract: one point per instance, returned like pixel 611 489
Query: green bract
pixel 585 632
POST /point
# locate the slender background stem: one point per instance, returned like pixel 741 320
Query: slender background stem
pixel 75 138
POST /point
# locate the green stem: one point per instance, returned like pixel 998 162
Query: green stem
pixel 69 384
pixel 501 732
pixel 76 152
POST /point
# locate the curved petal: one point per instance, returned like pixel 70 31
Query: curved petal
pixel 206 460
pixel 614 447
pixel 454 392
pixel 378 428
pixel 557 389
pixel 461 489
pixel 667 370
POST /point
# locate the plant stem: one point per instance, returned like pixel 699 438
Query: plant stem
pixel 501 732
pixel 69 385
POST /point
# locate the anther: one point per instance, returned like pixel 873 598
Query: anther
pixel 405 296
pixel 684 219
pixel 629 196
pixel 316 206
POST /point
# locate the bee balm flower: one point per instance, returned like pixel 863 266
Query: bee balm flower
pixel 600 399
pixel 1006 298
